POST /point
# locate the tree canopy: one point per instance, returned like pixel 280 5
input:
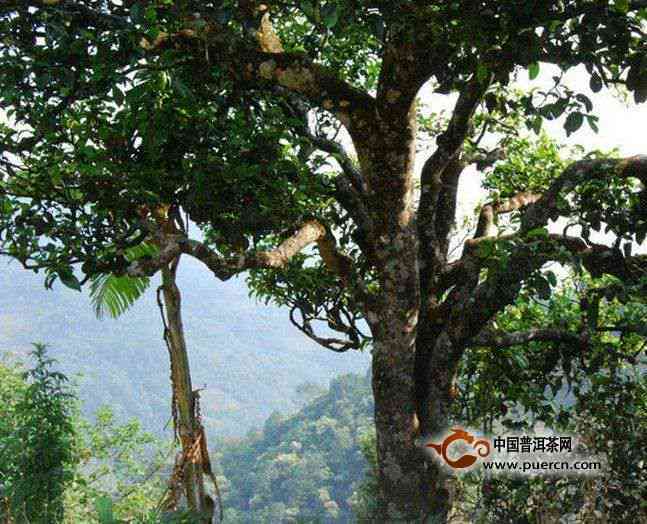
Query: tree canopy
pixel 135 122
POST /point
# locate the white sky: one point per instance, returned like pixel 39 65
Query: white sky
pixel 622 125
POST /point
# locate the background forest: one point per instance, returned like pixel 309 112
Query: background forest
pixel 226 331
pixel 315 465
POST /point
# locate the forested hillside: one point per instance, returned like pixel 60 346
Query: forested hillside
pixel 305 468
pixel 248 356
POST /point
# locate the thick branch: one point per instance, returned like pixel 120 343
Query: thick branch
pixel 350 186
pixel 298 109
pixel 546 207
pixel 450 142
pixel 441 169
pixel 471 311
pixel 445 212
pixel 490 211
pixel 148 266
pixel 599 259
pixel 334 148
pixel 224 268
pixel 253 68
pixel 435 238
pixel 502 339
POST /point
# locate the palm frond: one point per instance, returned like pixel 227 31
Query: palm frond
pixel 113 295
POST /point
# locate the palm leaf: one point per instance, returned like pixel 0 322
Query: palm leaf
pixel 113 295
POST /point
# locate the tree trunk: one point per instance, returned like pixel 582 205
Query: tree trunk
pixel 187 427
pixel 412 486
pixel 435 368
pixel 407 382
pixel 402 472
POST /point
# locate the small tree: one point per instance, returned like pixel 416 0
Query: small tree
pixel 37 458
pixel 119 463
pixel 115 294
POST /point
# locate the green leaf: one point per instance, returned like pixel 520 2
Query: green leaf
pixel 573 122
pixel 535 124
pixel 621 6
pixel 533 70
pixel 552 278
pixel 585 100
pixel 595 83
pixel 114 295
pixel 137 13
pixel 520 359
pixel 486 249
pixel 635 71
pixel 538 232
pixel 68 278
pixel 481 72
pixel 593 314
pixel 103 507
pixel 330 15
pixel 593 122
pixel 308 9
pixel 181 88
pixel 118 96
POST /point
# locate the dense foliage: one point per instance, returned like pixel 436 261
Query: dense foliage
pixel 60 468
pixel 129 121
pixel 593 389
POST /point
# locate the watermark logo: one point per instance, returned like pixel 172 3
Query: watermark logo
pixel 461 450
pixel 481 446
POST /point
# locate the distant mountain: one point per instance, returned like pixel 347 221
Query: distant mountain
pixel 248 356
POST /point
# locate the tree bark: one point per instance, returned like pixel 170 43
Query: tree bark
pixel 412 403
pixel 187 427
pixel 402 472
pixel 411 374
pixel 436 365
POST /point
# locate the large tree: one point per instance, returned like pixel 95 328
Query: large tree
pixel 124 115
